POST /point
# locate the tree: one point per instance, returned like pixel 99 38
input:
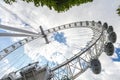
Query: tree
pixel 57 5
pixel 118 11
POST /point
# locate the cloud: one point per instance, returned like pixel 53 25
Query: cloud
pixel 104 10
pixel 7 71
pixel 110 71
pixel 6 61
pixel 6 67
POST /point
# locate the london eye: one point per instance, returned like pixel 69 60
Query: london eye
pixel 77 45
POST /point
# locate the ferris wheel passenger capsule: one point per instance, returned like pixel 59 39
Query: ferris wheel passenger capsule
pixel 112 37
pixel 109 49
pixel 105 26
pixel 95 66
pixel 110 29
pixel 93 23
pixel 99 22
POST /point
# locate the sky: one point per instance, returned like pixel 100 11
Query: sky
pixel 29 15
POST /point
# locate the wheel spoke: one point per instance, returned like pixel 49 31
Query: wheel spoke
pixel 16 29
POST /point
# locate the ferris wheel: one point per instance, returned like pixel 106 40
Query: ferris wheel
pixel 69 68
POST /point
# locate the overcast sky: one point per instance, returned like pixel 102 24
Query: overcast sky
pixel 103 10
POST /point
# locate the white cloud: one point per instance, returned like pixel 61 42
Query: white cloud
pixel 74 43
pixel 104 10
pixel 7 70
pixel 6 61
pixel 6 67
pixel 110 71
